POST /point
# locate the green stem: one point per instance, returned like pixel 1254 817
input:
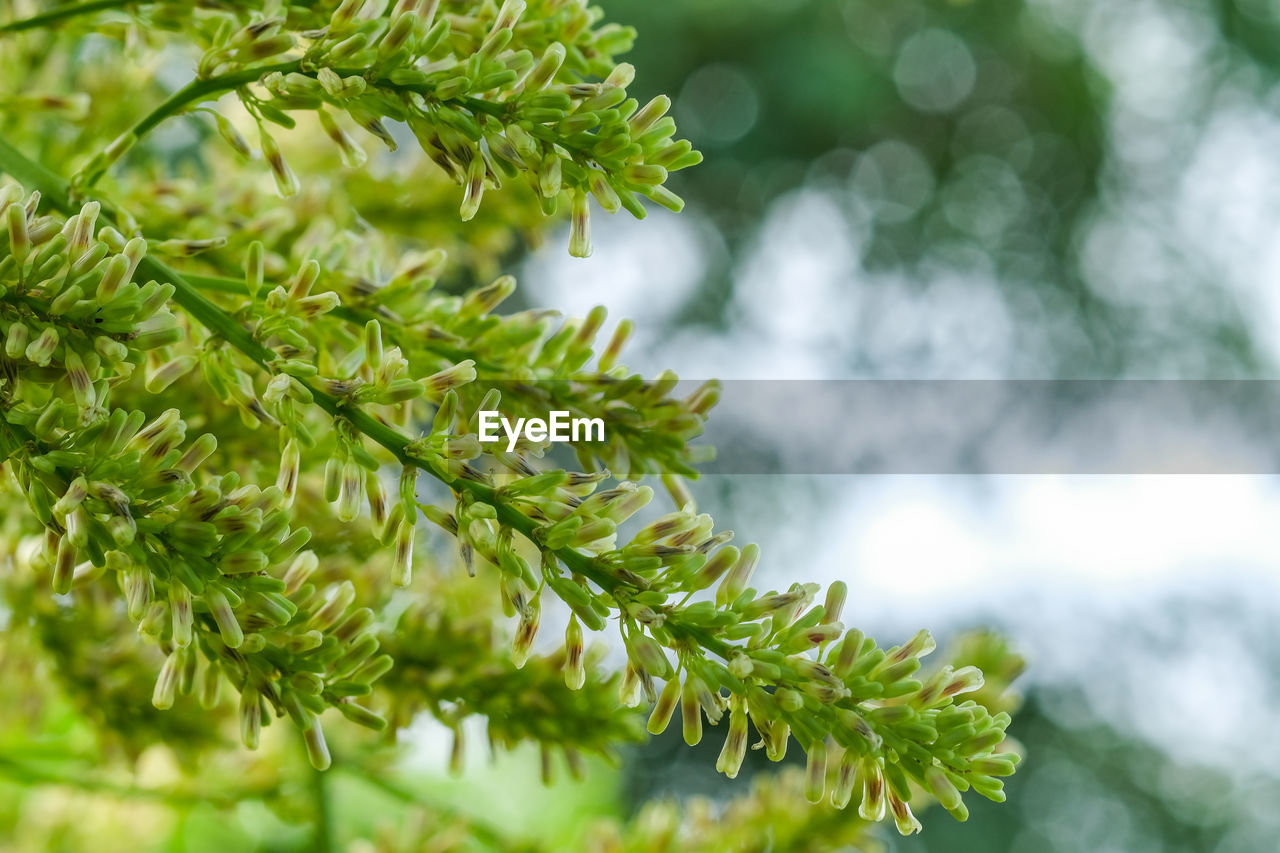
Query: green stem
pixel 61 13
pixel 27 774
pixel 193 93
pixel 323 839
pixel 212 88
pixel 223 325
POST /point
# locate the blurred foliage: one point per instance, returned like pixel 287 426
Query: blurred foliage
pixel 990 142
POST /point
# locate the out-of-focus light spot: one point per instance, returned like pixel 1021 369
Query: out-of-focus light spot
pixel 717 106
pixel 892 179
pixel 997 131
pixel 935 71
pixel 983 198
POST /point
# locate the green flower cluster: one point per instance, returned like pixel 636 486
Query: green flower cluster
pixel 191 550
pixel 139 419
pixel 489 93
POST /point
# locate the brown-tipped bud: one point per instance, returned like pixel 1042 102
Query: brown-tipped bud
pixel 575 674
pixel 286 180
pixel 40 351
pixel 736 581
pixel 82 231
pixel 648 654
pixel 228 626
pixel 19 237
pixel 163 374
pixel 776 739
pixel 64 564
pixel 873 790
pixel 317 748
pixel 452 377
pixel 402 563
pixel 609 357
pixel 604 194
pixel 902 817
pixel 836 594
pixel 815 774
pixel 166 689
pixel 719 563
pixel 344 14
pixel 339 599
pixel 945 792
pixel 472 189
pixel 253 268
pixel 735 743
pixel 527 630
pixel 845 777
pixel 290 465
pixel 580 227
pixel 299 571
pixel 180 613
pixel 665 707
pixel 250 718
pixel 649 114
pixel 353 156
pixel 15 344
pixel 629 689
pixel 545 71
pixel 350 491
pixel 691 711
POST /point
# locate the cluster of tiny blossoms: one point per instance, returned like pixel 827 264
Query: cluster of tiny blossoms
pixel 366 386
pixel 490 93
pixel 211 568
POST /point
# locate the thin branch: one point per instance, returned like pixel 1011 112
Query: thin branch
pixel 61 13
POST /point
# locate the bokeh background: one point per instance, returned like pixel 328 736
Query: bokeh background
pixel 993 189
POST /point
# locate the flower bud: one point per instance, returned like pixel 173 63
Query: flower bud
pixel 580 232
pixel 286 181
pixel 836 594
pixel 545 71
pixel 902 817
pixel 166 373
pixel 65 563
pixel 873 790
pixel 815 775
pixel 845 777
pixel 776 739
pixel 167 682
pixel 629 688
pixel 228 627
pixel 472 188
pixel 574 670
pixel 735 743
pixel 40 351
pixel 649 656
pixel 690 711
pixel 350 491
pixel 664 708
pixel 16 340
pixel 648 114
pixel 19 237
pixel 735 582
pixel 299 571
pixel 250 718
pixel 402 564
pixel 180 613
